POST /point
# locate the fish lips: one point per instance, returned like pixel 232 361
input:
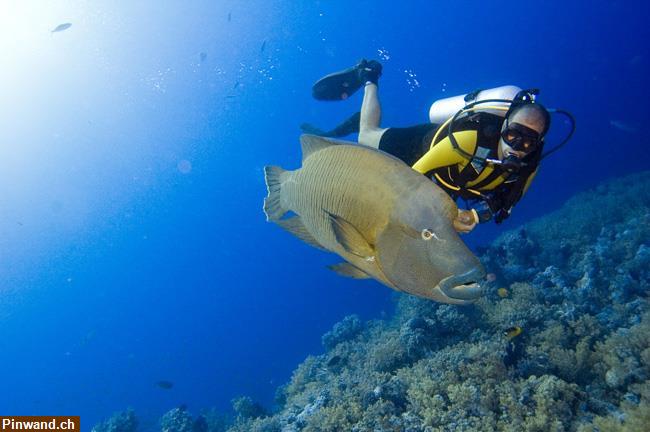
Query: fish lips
pixel 465 286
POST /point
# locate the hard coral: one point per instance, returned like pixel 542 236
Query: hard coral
pixel 342 331
pixel 177 420
pixel 119 422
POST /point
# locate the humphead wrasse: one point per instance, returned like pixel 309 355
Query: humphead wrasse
pixel 386 220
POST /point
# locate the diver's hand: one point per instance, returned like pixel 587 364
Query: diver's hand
pixel 465 221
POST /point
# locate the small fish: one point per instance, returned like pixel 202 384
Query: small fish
pixel 230 97
pixel 622 126
pixel 512 332
pixel 263 47
pixel 236 85
pixel 61 27
pixel 229 16
pixel 165 385
pixel 203 56
pixel 503 293
pixel 491 277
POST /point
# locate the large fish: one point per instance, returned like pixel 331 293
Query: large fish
pixel 385 219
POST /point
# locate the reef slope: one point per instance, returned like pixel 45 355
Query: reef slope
pixel 574 284
pixel 560 342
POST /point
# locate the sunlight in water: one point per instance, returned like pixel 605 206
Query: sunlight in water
pixel 25 27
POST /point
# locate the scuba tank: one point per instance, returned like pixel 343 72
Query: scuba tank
pixel 443 109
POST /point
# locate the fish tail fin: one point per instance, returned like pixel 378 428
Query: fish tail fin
pixel 274 177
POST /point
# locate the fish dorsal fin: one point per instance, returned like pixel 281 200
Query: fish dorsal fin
pixel 314 143
pixel 296 227
pixel 348 270
pixel 350 238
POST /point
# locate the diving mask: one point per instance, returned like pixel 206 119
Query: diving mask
pixel 520 137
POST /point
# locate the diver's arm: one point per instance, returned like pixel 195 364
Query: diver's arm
pixel 499 204
pixel 443 154
pixel 484 212
pixel 491 208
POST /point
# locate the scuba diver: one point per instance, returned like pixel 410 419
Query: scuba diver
pixel 484 147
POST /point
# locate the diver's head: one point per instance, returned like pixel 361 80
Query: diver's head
pixel 523 130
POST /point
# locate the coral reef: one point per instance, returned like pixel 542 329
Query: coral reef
pixel 177 420
pixel 560 341
pixel 180 420
pixel 246 408
pixel 576 286
pixel 215 420
pixel 343 331
pixel 119 422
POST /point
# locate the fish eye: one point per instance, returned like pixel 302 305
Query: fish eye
pixel 427 234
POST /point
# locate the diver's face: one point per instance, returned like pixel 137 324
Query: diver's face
pixel 519 125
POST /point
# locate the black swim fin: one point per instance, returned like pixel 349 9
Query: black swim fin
pixel 341 85
pixel 347 127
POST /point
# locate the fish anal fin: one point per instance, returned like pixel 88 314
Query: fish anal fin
pixel 348 270
pixel 350 238
pixel 296 227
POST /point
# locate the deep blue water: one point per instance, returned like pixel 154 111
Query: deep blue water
pixel 121 264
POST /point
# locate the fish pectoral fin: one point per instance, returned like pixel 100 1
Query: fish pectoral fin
pixel 296 227
pixel 350 238
pixel 348 270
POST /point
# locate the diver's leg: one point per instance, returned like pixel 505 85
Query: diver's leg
pixel 369 131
